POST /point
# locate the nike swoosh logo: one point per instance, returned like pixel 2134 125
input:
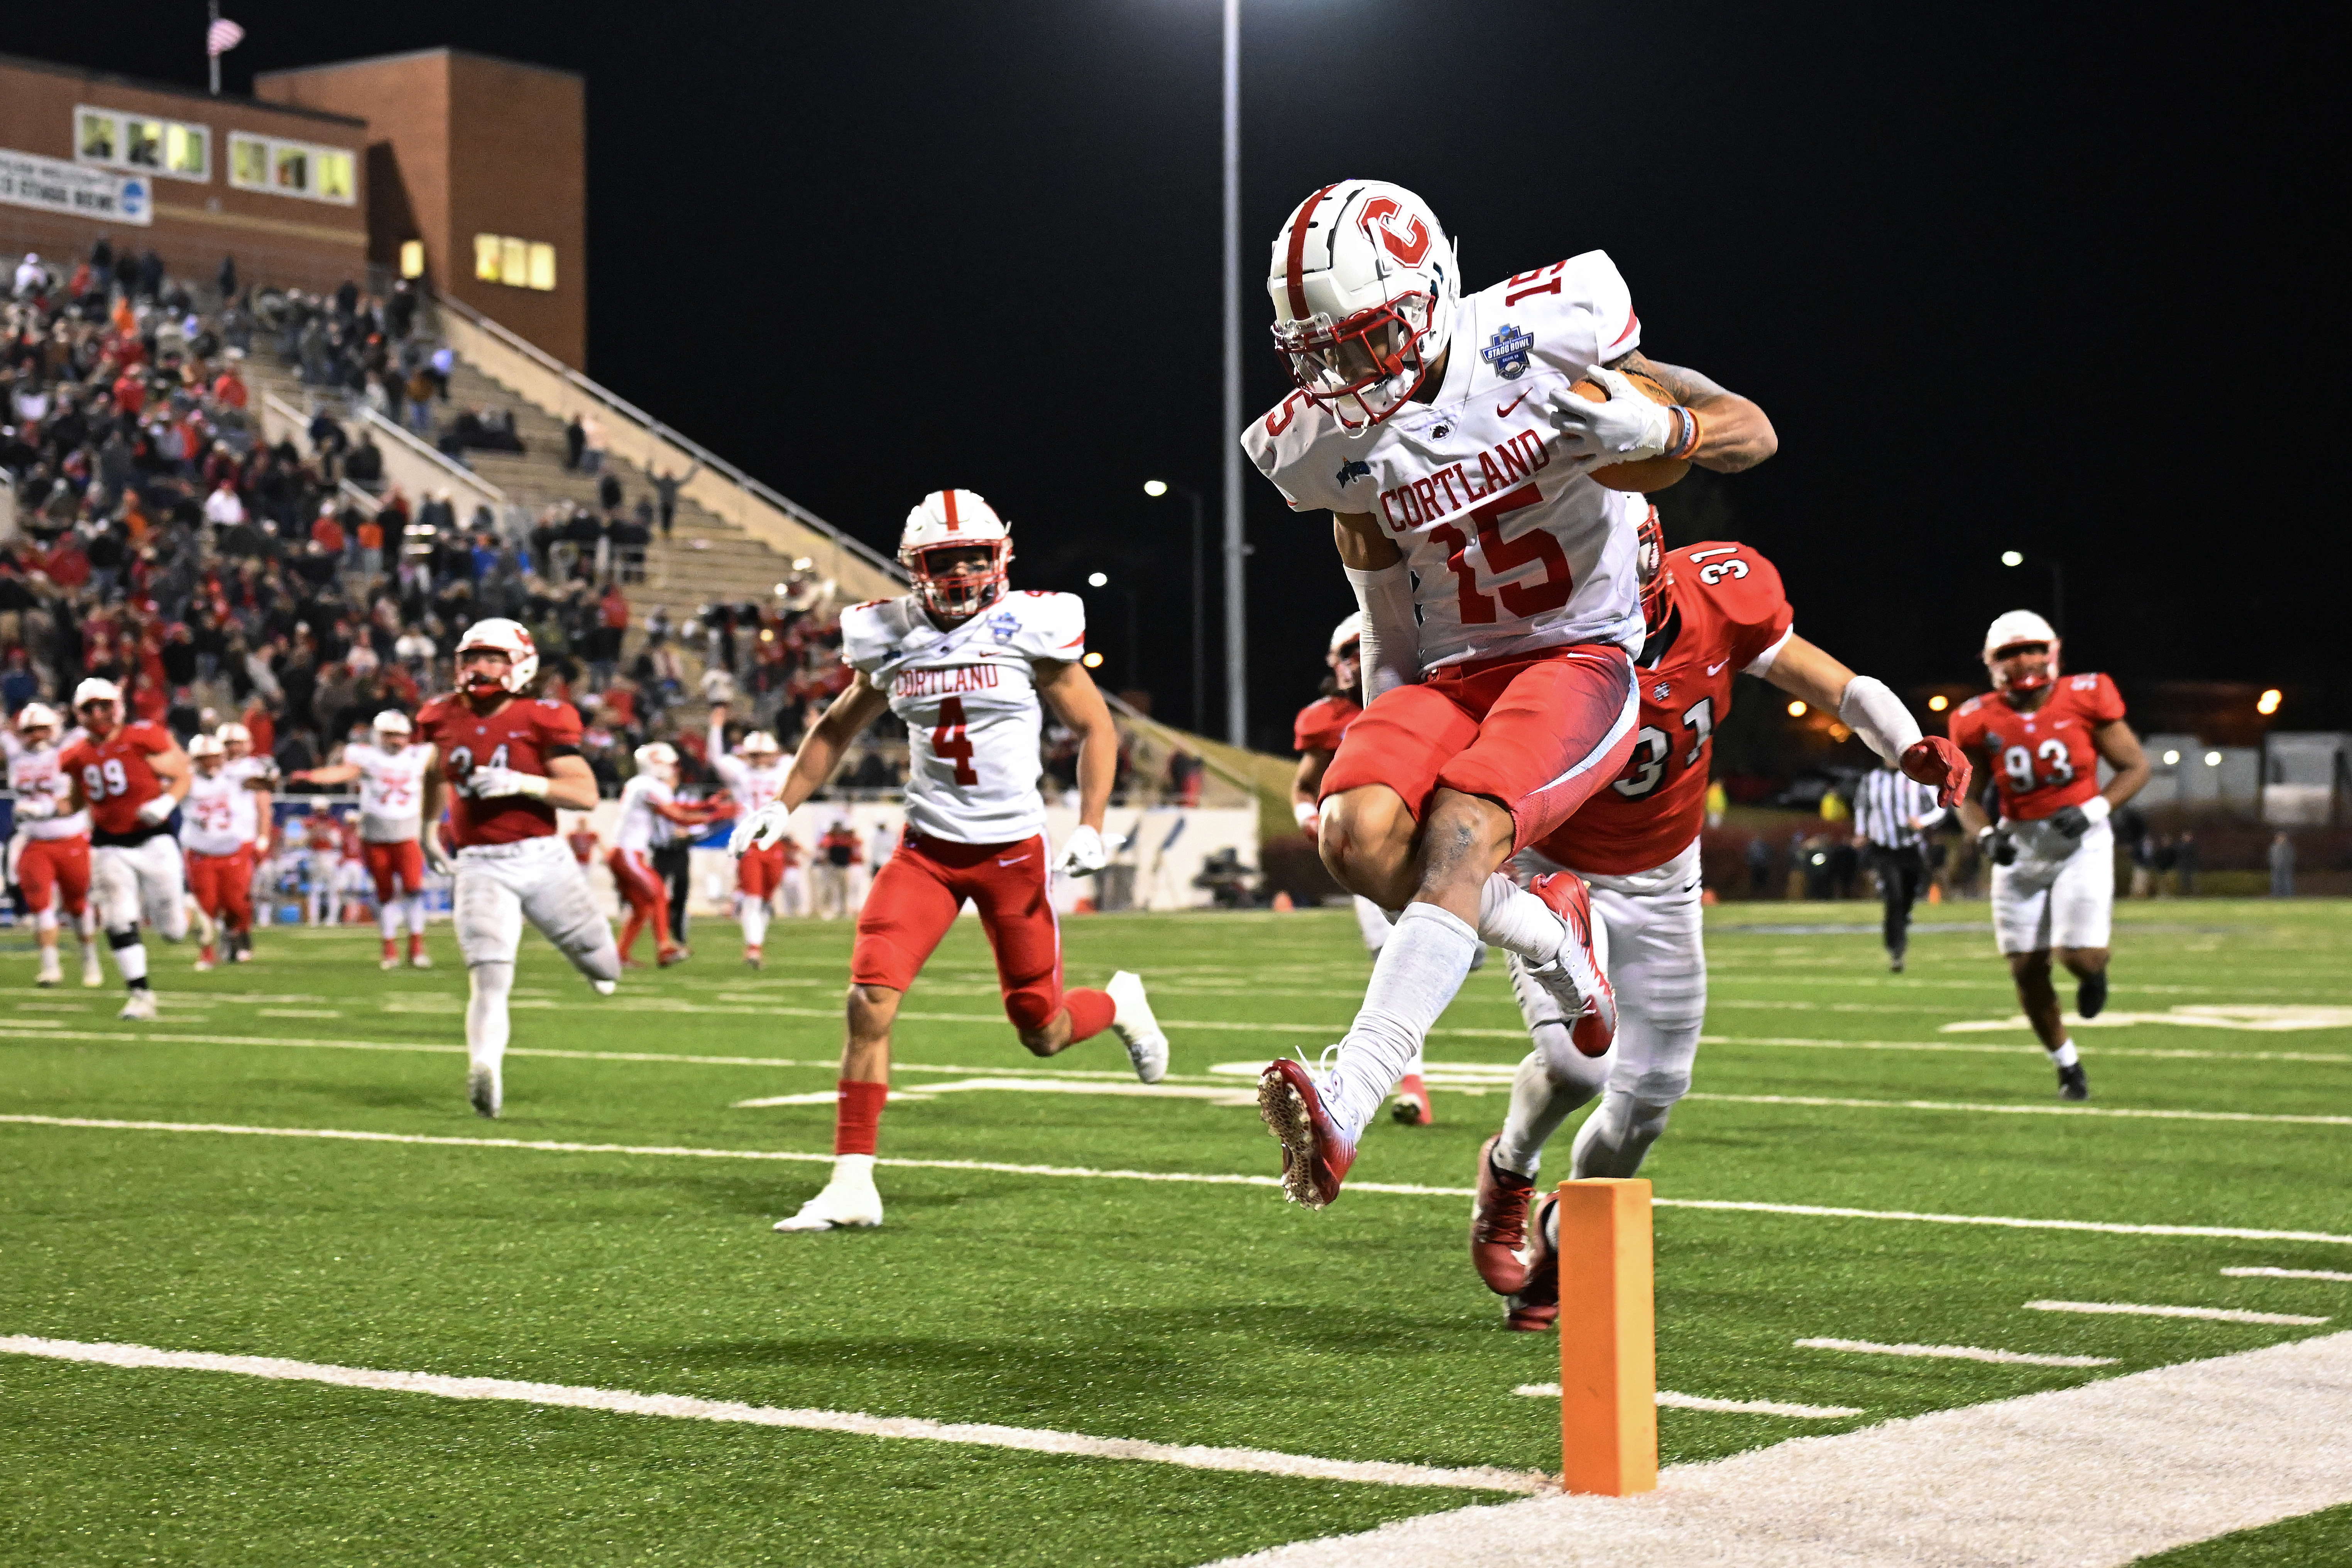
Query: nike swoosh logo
pixel 1504 410
pixel 1014 861
pixel 1713 668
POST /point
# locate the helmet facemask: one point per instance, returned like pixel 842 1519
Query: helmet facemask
pixel 958 579
pixel 2009 673
pixel 1658 578
pixel 1371 364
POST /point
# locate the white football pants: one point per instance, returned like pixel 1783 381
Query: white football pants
pixel 130 882
pixel 499 886
pixel 2060 893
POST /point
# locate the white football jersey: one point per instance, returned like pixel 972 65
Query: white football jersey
pixel 751 787
pixel 641 826
pixel 34 775
pixel 968 699
pixel 221 815
pixel 1513 549
pixel 392 790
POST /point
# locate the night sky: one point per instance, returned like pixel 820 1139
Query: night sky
pixel 2002 279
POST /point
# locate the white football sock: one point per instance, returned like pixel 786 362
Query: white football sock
pixel 486 1026
pixel 2065 1055
pixel 387 919
pixel 755 921
pixel 1517 921
pixel 416 902
pixel 130 956
pixel 1421 967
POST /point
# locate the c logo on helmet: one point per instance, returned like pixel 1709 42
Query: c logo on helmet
pixel 1408 249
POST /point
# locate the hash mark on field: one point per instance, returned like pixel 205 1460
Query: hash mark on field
pixel 2266 1273
pixel 2214 1314
pixel 1954 1353
pixel 684 1407
pixel 298 1013
pixel 1668 1399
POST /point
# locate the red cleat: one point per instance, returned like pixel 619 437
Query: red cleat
pixel 670 955
pixel 1595 1028
pixel 1315 1158
pixel 1498 1223
pixel 1411 1107
pixel 1536 1307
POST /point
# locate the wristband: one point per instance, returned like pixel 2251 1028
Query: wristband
pixel 2095 809
pixel 1303 811
pixel 1987 831
pixel 1690 438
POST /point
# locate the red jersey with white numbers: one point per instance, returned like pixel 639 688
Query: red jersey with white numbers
pixel 1321 723
pixel 1730 615
pixel 117 779
pixel 525 735
pixel 2045 760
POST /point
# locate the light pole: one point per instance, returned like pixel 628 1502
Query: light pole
pixel 1237 636
pixel 1155 488
pixel 2057 570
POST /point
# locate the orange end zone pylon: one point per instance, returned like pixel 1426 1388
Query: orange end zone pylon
pixel 1608 1338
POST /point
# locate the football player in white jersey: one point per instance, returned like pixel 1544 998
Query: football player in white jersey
pixel 48 858
pixel 218 823
pixel 754 776
pixel 962 661
pixel 390 769
pixel 1501 606
pixel 648 803
pixel 259 775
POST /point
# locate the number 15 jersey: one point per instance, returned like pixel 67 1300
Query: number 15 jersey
pixel 968 699
pixel 2043 761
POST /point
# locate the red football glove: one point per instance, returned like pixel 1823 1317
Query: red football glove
pixel 1933 760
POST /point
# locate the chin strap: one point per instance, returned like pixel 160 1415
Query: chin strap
pixel 1873 713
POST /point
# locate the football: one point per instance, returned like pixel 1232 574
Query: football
pixel 1650 473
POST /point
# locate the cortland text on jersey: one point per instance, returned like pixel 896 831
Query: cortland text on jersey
pixel 2045 760
pixel 1512 552
pixel 941 682
pixel 1731 614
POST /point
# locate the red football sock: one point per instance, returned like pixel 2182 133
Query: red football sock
pixel 629 934
pixel 1090 1013
pixel 857 1117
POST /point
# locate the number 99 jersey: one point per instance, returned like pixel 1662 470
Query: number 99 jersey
pixel 968 699
pixel 2045 760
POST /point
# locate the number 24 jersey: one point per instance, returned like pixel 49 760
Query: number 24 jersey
pixel 2045 760
pixel 968 699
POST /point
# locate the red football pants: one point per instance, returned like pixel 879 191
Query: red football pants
pixel 223 887
pixel 48 869
pixel 647 895
pixel 759 871
pixel 397 868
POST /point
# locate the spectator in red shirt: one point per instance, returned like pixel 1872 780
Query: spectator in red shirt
pixel 326 531
pixel 228 388
pixel 130 393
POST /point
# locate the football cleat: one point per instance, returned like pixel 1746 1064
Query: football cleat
pixel 50 973
pixel 603 987
pixel 1315 1158
pixel 844 1204
pixel 1894 964
pixel 1411 1107
pixel 2091 996
pixel 204 959
pixel 1138 1031
pixel 752 957
pixel 387 962
pixel 2073 1082
pixel 92 974
pixel 1498 1223
pixel 140 1007
pixel 485 1090
pixel 419 959
pixel 1573 976
pixel 671 956
pixel 1535 1307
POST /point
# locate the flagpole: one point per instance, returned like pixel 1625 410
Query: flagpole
pixel 212 56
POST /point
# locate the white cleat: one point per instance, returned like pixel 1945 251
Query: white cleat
pixel 387 964
pixel 485 1090
pixel 92 974
pixel 140 1007
pixel 1132 1022
pixel 843 1205
pixel 605 988
pixel 50 973
pixel 420 961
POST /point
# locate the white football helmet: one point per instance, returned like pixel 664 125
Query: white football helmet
pixel 509 639
pixel 759 743
pixel 393 728
pixel 956 520
pixel 205 748
pixel 1365 290
pixel 2008 630
pixel 232 735
pixel 1350 630
pixel 658 758
pixel 96 690
pixel 37 716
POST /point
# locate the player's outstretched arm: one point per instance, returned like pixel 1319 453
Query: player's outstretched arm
pixel 341 773
pixel 1733 432
pixel 1866 707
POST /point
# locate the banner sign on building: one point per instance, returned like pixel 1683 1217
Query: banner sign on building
pixel 75 189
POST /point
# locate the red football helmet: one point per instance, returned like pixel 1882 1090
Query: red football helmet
pixel 936 548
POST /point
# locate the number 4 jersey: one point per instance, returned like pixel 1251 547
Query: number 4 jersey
pixel 2043 761
pixel 968 699
pixel 1730 615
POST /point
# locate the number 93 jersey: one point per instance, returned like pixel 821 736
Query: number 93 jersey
pixel 968 699
pixel 1513 548
pixel 2045 760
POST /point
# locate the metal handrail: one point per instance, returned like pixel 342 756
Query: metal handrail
pixel 463 474
pixel 701 454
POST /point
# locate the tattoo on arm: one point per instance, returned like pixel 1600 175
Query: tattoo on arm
pixel 1687 386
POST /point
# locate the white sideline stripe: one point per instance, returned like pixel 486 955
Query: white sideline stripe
pixel 1956 1352
pixel 2101 1473
pixel 684 1407
pixel 2023 1048
pixel 2213 1314
pixel 2143 1115
pixel 2267 1273
pixel 1208 1178
pixel 1670 1400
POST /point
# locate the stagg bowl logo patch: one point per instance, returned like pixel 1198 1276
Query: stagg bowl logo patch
pixel 1507 351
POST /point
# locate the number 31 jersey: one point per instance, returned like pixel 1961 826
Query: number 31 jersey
pixel 1513 548
pixel 2045 760
pixel 968 699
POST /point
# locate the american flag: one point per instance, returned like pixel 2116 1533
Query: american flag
pixel 222 37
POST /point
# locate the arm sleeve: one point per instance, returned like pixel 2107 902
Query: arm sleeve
pixel 1873 711
pixel 1391 638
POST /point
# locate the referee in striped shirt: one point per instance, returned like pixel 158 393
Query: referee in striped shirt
pixel 1892 816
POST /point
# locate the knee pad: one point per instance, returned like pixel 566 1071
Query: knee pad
pixel 119 937
pixel 1031 1006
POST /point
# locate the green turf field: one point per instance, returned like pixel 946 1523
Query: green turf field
pixel 1175 1312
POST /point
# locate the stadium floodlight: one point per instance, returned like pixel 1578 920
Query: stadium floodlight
pixel 1155 488
pixel 2012 558
pixel 2213 759
pixel 1097 580
pixel 2268 703
pixel 1938 702
pixel 2172 759
pixel 1092 661
pixel 1796 709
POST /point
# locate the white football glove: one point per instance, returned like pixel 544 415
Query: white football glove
pixel 154 811
pixel 492 783
pixel 36 807
pixel 1082 854
pixel 760 829
pixel 1626 429
pixel 436 854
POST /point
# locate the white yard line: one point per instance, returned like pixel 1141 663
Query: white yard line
pixel 1210 1178
pixel 2268 1273
pixel 2087 1476
pixel 1954 1353
pixel 1669 1400
pixel 2022 1047
pixel 1977 1108
pixel 683 1407
pixel 2210 1314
